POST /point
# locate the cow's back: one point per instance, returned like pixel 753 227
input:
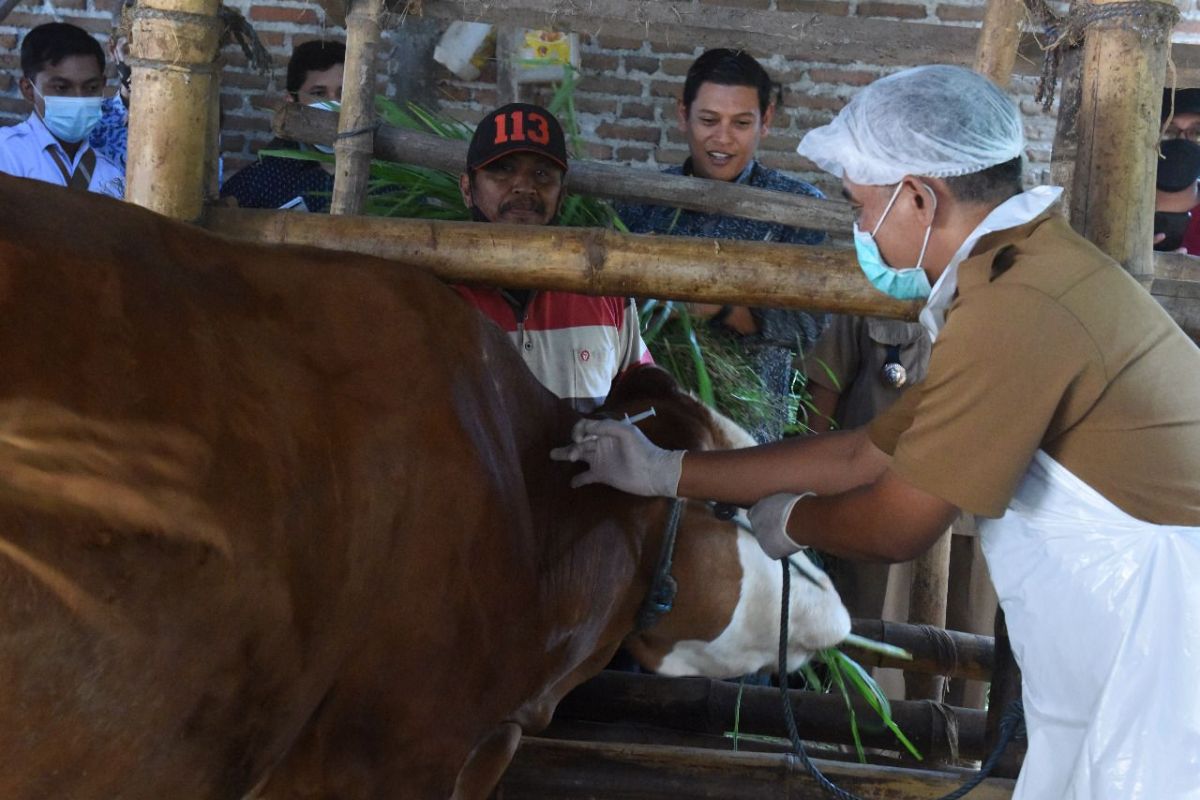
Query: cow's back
pixel 235 478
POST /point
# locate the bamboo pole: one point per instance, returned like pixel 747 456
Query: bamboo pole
pixel 999 38
pixel 700 705
pixel 174 45
pixel 586 260
pixel 697 269
pixel 212 146
pixel 508 88
pixel 930 587
pixel 593 178
pixel 545 769
pixel 1066 134
pixel 937 652
pixel 1123 65
pixel 355 142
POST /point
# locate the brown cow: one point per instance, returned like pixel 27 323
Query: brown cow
pixel 282 522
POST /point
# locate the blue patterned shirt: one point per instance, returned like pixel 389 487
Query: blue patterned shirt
pixel 782 333
pixel 111 133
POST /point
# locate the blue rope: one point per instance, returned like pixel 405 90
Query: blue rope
pixel 1012 723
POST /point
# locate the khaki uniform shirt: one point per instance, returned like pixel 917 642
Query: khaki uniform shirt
pixel 849 358
pixel 1050 345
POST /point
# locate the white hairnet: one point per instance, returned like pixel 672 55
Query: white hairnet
pixel 936 121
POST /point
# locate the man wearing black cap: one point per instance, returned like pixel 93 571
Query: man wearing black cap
pixel 576 345
pixel 1177 193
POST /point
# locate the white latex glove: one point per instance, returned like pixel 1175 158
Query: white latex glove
pixel 768 520
pixel 620 455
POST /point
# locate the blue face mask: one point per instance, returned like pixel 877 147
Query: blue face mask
pixel 71 119
pixel 326 105
pixel 910 283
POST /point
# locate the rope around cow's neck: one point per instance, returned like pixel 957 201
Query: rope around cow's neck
pixel 1011 724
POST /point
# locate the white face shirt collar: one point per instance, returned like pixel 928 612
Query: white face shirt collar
pixel 1016 210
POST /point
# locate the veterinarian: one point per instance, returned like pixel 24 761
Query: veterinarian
pixel 1061 406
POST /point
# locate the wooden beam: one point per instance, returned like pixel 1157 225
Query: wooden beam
pixel 606 262
pixel 174 45
pixel 546 769
pixel 6 7
pixel 1123 65
pixel 701 705
pixel 1176 287
pixel 793 34
pixel 587 260
pixel 999 37
pixel 592 178
pixel 355 144
pixel 937 651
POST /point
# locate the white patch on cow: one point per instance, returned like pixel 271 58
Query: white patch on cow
pixel 751 640
pixel 727 434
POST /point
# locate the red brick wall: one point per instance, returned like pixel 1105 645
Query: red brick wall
pixel 627 91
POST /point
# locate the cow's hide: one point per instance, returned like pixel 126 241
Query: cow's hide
pixel 285 518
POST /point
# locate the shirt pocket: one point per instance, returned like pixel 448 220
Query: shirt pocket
pixel 910 340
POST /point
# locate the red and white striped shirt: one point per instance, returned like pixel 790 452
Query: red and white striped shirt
pixel 575 344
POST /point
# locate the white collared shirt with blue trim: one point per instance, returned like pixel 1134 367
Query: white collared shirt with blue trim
pixel 25 152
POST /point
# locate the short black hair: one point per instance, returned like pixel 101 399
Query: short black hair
pixel 992 185
pixel 314 56
pixel 48 44
pixel 728 68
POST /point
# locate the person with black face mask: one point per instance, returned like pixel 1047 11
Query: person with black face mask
pixel 1177 193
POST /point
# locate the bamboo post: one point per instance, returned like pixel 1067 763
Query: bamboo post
pixel 999 38
pixel 212 149
pixel 994 57
pixel 1065 151
pixel 508 89
pixel 927 606
pixel 1123 65
pixel 174 45
pixel 355 142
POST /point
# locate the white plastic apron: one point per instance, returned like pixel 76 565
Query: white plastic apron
pixel 1103 611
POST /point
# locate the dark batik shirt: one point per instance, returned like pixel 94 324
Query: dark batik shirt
pixel 111 133
pixel 782 333
pixel 274 182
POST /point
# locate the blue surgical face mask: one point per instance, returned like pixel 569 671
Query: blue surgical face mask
pixel 71 119
pixel 905 283
pixel 326 105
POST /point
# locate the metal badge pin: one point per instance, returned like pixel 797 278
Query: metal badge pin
pixel 894 374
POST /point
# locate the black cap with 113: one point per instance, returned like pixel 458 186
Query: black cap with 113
pixel 517 128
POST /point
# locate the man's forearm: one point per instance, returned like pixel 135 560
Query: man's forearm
pixel 825 464
pixel 888 520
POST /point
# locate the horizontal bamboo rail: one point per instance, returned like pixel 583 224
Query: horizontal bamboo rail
pixel 700 705
pixel 606 262
pixel 546 769
pixel 935 651
pixel 597 179
pixel 586 260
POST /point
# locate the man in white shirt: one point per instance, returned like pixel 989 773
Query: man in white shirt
pixel 63 78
